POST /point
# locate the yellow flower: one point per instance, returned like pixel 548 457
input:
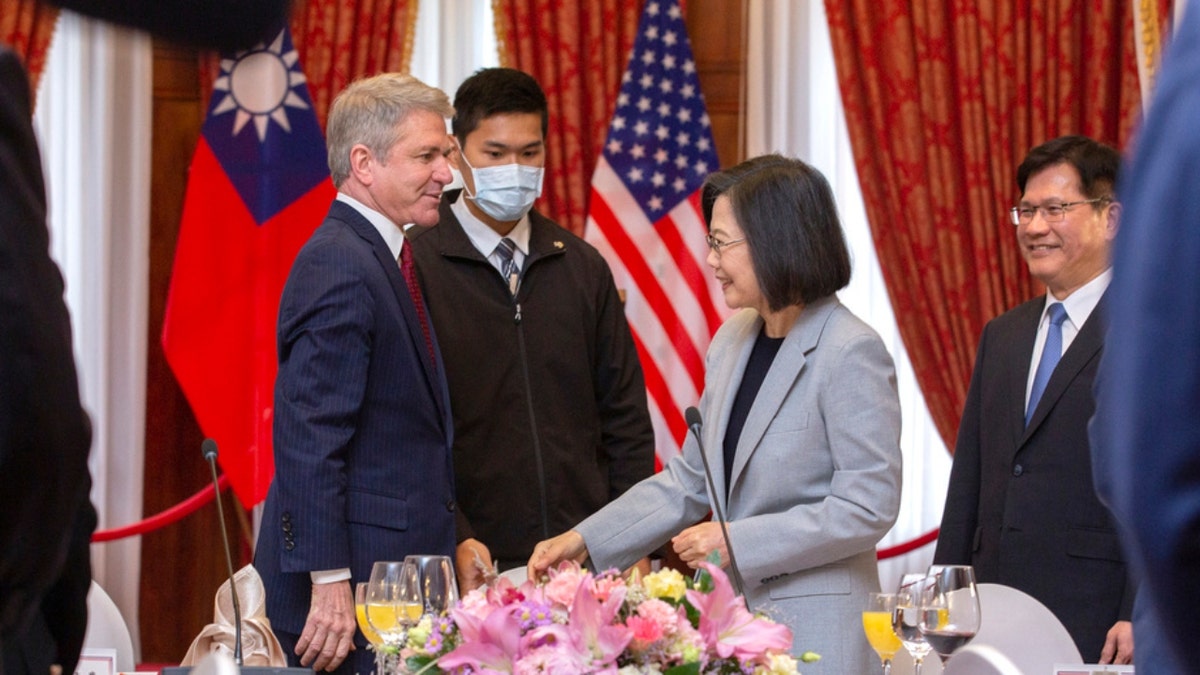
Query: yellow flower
pixel 665 583
pixel 779 664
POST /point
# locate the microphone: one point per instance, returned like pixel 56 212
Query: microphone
pixel 692 417
pixel 209 450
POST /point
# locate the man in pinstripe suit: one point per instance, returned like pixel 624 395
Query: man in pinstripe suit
pixel 362 425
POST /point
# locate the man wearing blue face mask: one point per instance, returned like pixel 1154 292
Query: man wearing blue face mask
pixel 550 417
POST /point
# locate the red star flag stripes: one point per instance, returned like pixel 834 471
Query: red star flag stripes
pixel 258 187
pixel 644 217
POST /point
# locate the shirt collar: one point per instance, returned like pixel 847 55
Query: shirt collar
pixel 1083 301
pixel 483 237
pixel 392 234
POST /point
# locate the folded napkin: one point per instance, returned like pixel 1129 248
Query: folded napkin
pixel 260 647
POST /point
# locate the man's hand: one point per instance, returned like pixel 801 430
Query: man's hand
pixel 566 546
pixel 473 563
pixel 1118 644
pixel 328 634
pixel 695 543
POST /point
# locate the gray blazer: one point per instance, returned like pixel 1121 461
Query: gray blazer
pixel 815 481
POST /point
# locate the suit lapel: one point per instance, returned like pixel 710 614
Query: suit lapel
pixel 391 269
pixel 730 370
pixel 1016 363
pixel 1085 347
pixel 781 377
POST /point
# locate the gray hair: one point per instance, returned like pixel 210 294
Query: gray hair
pixel 369 111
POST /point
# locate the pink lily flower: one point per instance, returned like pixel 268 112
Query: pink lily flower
pixel 726 623
pixel 489 645
pixel 593 634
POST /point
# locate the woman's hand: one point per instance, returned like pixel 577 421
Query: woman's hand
pixel 566 546
pixel 694 544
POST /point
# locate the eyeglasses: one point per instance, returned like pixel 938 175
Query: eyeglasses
pixel 1051 213
pixel 719 246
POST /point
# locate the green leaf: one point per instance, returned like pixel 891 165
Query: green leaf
pixel 685 669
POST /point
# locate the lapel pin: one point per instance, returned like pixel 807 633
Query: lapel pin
pixel 558 244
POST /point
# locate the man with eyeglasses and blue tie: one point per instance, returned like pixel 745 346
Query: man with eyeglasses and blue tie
pixel 1021 505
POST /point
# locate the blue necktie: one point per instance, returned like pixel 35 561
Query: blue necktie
pixel 508 266
pixel 1051 353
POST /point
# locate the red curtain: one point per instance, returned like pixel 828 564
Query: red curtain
pixel 943 100
pixel 339 41
pixel 27 26
pixel 577 51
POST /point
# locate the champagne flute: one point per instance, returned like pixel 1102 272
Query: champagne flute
pixel 877 624
pixel 950 611
pixel 906 618
pixel 439 587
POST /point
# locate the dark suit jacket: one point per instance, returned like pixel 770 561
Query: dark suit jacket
pixel 362 426
pixel 1021 506
pixel 45 516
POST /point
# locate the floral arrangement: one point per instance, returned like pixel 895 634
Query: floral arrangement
pixel 577 622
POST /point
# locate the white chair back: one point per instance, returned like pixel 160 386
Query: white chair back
pixel 980 660
pixel 1023 629
pixel 106 628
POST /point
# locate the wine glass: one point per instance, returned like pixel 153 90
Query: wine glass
pixel 906 618
pixel 439 586
pixel 877 624
pixel 393 600
pixel 950 608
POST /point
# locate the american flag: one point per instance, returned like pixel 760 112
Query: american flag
pixel 644 216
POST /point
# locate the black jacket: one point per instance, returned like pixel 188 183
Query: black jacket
pixel 550 418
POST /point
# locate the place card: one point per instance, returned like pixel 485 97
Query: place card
pixel 93 661
pixel 1090 669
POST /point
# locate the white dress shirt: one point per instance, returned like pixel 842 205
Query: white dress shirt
pixel 1079 306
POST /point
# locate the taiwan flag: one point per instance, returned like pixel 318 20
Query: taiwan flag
pixel 258 186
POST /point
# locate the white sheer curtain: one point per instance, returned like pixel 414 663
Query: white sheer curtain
pixel 93 120
pixel 453 39
pixel 793 107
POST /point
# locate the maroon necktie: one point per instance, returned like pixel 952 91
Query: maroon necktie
pixel 409 270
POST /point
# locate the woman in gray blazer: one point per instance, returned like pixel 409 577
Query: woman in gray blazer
pixel 802 426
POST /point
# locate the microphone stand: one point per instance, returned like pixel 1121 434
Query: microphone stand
pixel 692 417
pixel 209 448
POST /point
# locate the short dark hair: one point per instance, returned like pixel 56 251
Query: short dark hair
pixel 787 214
pixel 1097 163
pixel 494 91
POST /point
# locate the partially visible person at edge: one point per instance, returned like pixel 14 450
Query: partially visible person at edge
pixel 46 517
pixel 1146 430
pixel 802 425
pixel 1021 506
pixel 362 428
pixel 549 402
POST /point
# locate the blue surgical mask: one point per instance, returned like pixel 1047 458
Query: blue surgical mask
pixel 504 192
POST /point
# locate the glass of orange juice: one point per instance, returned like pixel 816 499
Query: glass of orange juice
pixel 877 624
pixel 360 610
pixel 393 600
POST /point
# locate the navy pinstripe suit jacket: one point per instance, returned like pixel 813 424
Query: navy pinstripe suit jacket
pixel 362 425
